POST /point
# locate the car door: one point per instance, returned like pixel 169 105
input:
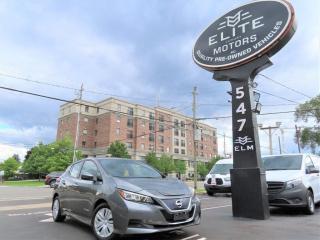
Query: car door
pixel 313 178
pixel 88 188
pixel 69 186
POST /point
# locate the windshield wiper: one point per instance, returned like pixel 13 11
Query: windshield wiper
pixel 274 169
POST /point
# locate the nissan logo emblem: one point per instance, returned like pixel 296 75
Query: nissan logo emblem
pixel 179 203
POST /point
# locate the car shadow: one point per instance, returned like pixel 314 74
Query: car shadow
pixel 292 212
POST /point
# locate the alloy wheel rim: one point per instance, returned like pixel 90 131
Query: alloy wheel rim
pixel 55 208
pixel 103 223
pixel 311 205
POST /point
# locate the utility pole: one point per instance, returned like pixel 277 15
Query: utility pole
pixel 270 128
pixel 224 144
pixel 298 130
pixel 195 167
pixel 77 129
pixel 279 142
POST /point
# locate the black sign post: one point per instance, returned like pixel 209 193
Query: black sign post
pixel 236 48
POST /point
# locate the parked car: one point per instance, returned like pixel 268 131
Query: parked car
pixel 293 180
pixel 218 180
pixel 51 178
pixel 120 196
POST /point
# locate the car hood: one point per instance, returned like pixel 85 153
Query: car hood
pixel 282 175
pixel 154 186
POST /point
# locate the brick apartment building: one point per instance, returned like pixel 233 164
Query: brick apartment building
pixel 143 129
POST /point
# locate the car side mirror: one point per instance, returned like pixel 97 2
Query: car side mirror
pixel 89 177
pixel 312 170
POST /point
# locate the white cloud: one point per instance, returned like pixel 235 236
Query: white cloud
pixel 7 151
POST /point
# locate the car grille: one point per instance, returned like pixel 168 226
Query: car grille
pixel 275 187
pixel 170 216
pixel 172 203
pixel 209 181
pixel 219 181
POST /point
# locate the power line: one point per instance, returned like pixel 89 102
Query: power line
pixel 74 102
pixel 281 84
pixel 85 90
pixel 273 95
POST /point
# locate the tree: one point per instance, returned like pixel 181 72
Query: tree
pixel 202 169
pixel 10 166
pixel 180 166
pixel 166 164
pixel 310 137
pixel 16 157
pixel 118 149
pixel 152 159
pixel 56 156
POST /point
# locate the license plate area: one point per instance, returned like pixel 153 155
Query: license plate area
pixel 179 216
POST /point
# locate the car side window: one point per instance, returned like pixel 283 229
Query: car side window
pixel 75 170
pixel 91 168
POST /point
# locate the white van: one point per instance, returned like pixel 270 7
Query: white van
pixel 293 180
pixel 218 179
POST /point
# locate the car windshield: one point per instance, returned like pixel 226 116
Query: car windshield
pixel 282 162
pixel 128 169
pixel 221 169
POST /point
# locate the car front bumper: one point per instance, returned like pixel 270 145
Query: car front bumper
pixel 217 188
pixel 295 197
pixel 153 218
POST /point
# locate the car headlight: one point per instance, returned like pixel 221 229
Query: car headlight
pixel 227 179
pixel 135 197
pixel 293 183
pixel 192 190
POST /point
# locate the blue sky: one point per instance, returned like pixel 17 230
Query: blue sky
pixel 140 49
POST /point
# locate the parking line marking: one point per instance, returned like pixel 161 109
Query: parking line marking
pixel 27 206
pixel 27 214
pixel 202 239
pixel 47 220
pixel 209 208
pixel 190 237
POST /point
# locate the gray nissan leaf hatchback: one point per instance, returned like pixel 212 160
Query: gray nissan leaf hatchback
pixel 120 196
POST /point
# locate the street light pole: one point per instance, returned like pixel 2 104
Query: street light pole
pixel 195 167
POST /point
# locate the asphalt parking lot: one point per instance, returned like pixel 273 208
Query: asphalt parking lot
pixel 25 214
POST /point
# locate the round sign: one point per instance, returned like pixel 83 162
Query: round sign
pixel 245 33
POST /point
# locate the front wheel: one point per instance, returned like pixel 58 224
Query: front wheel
pixel 102 222
pixel 56 211
pixel 210 193
pixel 310 203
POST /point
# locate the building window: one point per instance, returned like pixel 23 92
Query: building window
pixel 176 132
pixel 183 133
pixel 183 124
pixel 151 126
pixel 151 137
pixel 214 141
pixel 85 131
pixel 142 146
pixel 130 122
pixel 176 142
pixel 161 139
pixel 61 121
pixel 176 150
pixel 151 116
pixel 129 145
pixel 130 134
pixel 118 131
pixel 95 132
pixel 161 127
pixel 183 151
pixel 183 143
pixel 118 116
pixel 130 111
pixel 201 154
pixel 95 144
pixel 85 119
pixel 161 148
pixel 97 120
pixel 213 133
pixel 161 118
pixel 119 107
pixel 151 147
pixel 83 144
pixel 176 123
pixel 98 110
pixel 201 146
pixel 86 109
pixel 143 122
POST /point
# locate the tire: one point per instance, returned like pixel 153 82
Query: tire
pixel 56 211
pixel 310 203
pixel 102 223
pixel 210 193
pixel 52 183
